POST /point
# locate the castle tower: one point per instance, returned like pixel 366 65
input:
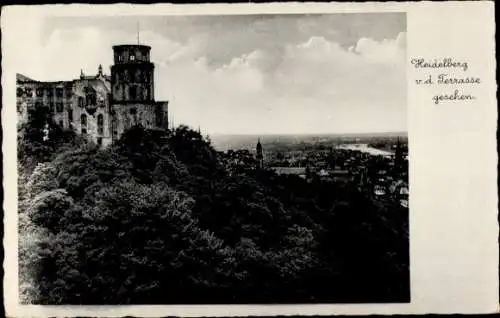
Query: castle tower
pixel 260 156
pixel 132 90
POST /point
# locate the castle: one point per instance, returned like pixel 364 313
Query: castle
pixel 100 107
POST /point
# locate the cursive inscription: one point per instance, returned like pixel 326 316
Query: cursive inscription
pixel 443 73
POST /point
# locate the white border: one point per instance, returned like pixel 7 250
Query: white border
pixel 453 163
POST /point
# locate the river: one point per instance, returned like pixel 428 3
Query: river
pixel 367 149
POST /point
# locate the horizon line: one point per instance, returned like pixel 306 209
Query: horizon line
pixel 310 134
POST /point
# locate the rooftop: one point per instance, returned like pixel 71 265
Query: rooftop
pixel 289 170
pixel 23 78
pixel 120 46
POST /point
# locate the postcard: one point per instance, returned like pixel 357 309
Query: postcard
pixel 250 159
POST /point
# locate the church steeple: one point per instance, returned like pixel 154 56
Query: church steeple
pixel 99 70
pixel 260 156
pixel 398 156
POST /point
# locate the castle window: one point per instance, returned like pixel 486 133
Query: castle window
pixel 132 57
pixel 59 92
pixel 51 107
pixel 69 93
pixel 61 123
pixel 99 141
pixel 80 101
pixel 84 131
pixel 100 124
pixel 120 58
pixel 70 115
pixel 132 93
pixel 159 116
pixel 83 121
pixel 90 99
pixel 101 101
pixel 29 92
pixel 20 92
pixel 133 112
pixel 49 92
pixel 39 92
pixel 59 107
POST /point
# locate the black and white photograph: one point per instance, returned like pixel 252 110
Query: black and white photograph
pixel 214 159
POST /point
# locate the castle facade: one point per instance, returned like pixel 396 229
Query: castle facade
pixel 100 107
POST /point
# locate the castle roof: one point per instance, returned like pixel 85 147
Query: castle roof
pixel 23 78
pixel 124 46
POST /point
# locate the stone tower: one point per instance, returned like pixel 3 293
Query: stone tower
pixel 132 91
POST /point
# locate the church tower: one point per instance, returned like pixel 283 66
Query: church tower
pixel 260 156
pixel 398 157
pixel 132 90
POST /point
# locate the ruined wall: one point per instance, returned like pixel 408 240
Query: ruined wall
pixel 131 114
pixel 161 114
pixel 56 97
pixel 89 117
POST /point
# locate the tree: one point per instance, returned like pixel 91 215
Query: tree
pixel 49 208
pixel 40 138
pixel 154 250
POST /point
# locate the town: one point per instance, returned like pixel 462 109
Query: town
pixel 379 169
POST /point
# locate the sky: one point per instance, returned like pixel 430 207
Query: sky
pixel 247 74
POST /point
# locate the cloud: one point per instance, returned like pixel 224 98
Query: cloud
pixel 315 85
pixel 318 86
pixel 386 51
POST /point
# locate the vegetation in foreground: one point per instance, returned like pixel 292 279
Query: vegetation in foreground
pixel 157 219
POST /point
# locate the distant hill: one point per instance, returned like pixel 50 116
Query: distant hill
pixel 224 142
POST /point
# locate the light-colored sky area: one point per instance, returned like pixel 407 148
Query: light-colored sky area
pixel 254 74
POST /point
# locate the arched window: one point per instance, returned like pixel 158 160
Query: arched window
pixel 20 92
pixel 132 93
pixel 83 123
pixel 114 127
pixel 100 124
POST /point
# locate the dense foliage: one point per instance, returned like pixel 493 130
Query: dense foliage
pixel 157 218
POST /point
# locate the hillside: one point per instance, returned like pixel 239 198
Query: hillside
pixel 158 219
